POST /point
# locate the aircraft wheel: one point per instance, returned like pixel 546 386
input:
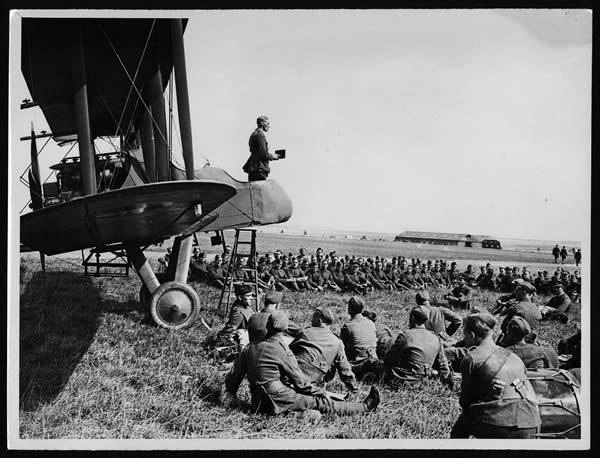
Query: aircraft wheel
pixel 174 305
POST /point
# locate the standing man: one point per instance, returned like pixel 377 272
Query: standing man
pixel 578 257
pixel 563 254
pixel 257 165
pixel 556 253
pixel 496 398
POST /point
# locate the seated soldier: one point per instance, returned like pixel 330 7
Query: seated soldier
pixel 257 324
pixel 416 352
pixel 460 296
pixel 558 306
pixel 268 362
pixel 360 340
pixel 265 279
pixel 320 353
pixel 240 313
pixel 525 308
pixel 355 281
pixel 489 281
pixel 238 272
pixel 438 317
pixel 313 277
pixel 571 347
pixel 297 275
pixel 383 333
pixel 281 279
pixel 215 274
pixel 505 301
pixel 163 261
pixel 408 280
pixel 198 266
pixel 470 276
pixel 533 356
pixel 496 398
pixel 378 277
pixel 327 277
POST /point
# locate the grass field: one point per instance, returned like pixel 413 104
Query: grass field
pixel 93 366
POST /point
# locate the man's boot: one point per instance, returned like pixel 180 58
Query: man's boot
pixel 372 400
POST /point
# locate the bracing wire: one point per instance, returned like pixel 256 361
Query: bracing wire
pixel 162 134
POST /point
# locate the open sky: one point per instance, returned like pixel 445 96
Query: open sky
pixel 472 121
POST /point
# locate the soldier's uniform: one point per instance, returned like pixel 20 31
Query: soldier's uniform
pixel 355 282
pixel 239 315
pixel 528 311
pixel 496 397
pixel 438 316
pixel 557 307
pixel 535 356
pixel 360 343
pixel 266 363
pixel 460 296
pixel 413 355
pixel 320 353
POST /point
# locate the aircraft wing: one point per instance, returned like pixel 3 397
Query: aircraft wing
pixel 139 215
pixel 50 50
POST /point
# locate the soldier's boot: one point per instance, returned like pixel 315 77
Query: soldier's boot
pixel 372 400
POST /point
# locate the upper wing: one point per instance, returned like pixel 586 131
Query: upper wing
pixel 112 51
pixel 139 215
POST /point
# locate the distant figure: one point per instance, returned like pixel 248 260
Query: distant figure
pixel 563 254
pixel 556 253
pixel 578 257
pixel 257 165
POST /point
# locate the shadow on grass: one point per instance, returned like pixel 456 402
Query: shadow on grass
pixel 58 320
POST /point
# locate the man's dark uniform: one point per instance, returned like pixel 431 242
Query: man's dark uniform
pixel 535 356
pixel 360 343
pixel 238 319
pixel 257 165
pixel 266 363
pixel 355 282
pixel 558 306
pixel 496 397
pixel 320 353
pixel 528 311
pixel 413 355
pixel 438 316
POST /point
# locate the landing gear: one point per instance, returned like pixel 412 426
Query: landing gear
pixel 174 305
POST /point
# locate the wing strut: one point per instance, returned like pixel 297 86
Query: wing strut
pixel 82 116
pixel 183 101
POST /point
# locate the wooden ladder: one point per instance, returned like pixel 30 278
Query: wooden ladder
pixel 228 290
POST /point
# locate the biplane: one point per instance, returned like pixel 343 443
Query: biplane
pixel 106 79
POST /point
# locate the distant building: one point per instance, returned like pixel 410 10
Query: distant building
pixel 347 236
pixel 441 238
pixel 491 243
